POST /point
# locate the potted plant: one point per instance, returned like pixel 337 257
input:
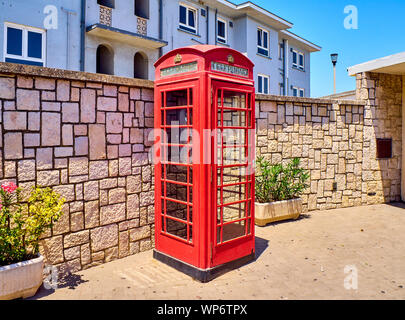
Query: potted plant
pixel 278 188
pixel 21 226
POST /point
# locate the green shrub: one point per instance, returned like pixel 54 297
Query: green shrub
pixel 22 224
pixel 279 182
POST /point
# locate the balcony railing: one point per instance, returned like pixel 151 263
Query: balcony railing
pixel 106 16
pixel 142 26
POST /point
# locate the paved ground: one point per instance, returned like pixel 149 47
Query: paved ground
pixel 303 259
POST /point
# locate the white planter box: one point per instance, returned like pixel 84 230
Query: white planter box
pixel 21 280
pixel 277 211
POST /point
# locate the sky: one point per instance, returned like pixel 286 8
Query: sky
pixel 380 32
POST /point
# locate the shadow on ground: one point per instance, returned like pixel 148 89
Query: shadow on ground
pixel 70 281
pixel 260 246
pixel 397 204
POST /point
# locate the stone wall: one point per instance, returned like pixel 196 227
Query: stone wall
pixel 336 143
pixel 383 96
pixel 85 136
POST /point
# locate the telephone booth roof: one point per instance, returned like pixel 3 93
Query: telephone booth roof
pixel 214 59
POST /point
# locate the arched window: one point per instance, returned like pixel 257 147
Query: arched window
pixel 105 60
pixel 142 8
pixel 140 66
pixel 107 3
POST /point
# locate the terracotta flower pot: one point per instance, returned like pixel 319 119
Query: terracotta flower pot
pixel 276 211
pixel 22 279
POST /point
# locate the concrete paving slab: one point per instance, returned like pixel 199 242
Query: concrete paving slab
pixel 302 259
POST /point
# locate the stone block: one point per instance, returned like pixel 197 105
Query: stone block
pixel 88 106
pixel 14 120
pixel 62 152
pixel 98 169
pixel 97 142
pixel 70 112
pixel 50 133
pixel 26 170
pixel 139 233
pixel 91 190
pixel 72 253
pixel 34 121
pixel 116 195
pixel 110 90
pixel 67 135
pixel 44 84
pixel 106 104
pixel 48 178
pixel 27 99
pixel 32 139
pixel 133 206
pixel 91 214
pixel 7 88
pixel 112 213
pixel 63 90
pixel 114 122
pixel 124 166
pixel 76 221
pixel 13 147
pixel 80 130
pixel 52 249
pixel 125 150
pixel 123 102
pixel 81 146
pixel 104 237
pixel 66 191
pixel 76 239
pixel 78 166
pixel 51 106
pixel 85 254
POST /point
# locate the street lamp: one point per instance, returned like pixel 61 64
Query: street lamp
pixel 334 57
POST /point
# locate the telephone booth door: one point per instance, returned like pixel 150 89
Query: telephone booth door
pixel 175 207
pixel 233 151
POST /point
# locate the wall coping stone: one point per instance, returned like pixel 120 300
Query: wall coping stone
pixel 26 70
pixel 274 98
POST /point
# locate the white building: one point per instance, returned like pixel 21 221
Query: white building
pixel 126 37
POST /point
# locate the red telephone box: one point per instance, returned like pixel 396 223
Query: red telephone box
pixel 204 160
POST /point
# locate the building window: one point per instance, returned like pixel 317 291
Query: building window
pixel 262 42
pixel 24 45
pixel 281 89
pixel 298 60
pixel 140 66
pixel 384 148
pixel 188 18
pixel 142 8
pixel 107 3
pixel 263 84
pixel 221 31
pixel 105 60
pixel 281 51
pixel 298 92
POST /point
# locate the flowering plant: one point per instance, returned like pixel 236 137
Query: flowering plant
pixel 23 222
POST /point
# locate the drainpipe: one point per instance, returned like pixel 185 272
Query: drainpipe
pixel 82 34
pixel 216 26
pixel 284 68
pixel 160 25
pixel 208 25
pixel 286 64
